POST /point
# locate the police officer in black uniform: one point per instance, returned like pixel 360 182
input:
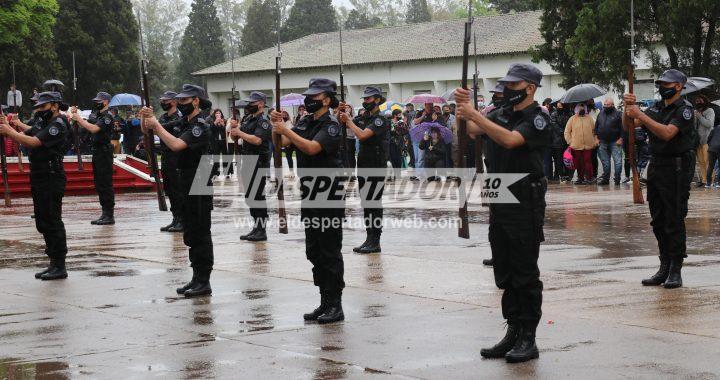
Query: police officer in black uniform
pixel 45 141
pixel 255 133
pixel 498 102
pixel 193 143
pixel 673 139
pixel 317 140
pixel 372 129
pixel 171 120
pixel 100 124
pixel 516 137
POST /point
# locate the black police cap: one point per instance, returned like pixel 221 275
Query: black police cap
pixel 672 76
pixel 499 88
pixel 193 91
pixel 321 85
pixel 50 97
pixel 168 95
pixel 523 71
pixel 256 96
pixel 102 96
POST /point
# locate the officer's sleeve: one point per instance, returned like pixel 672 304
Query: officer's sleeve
pixel 683 118
pixel 329 137
pixel 197 138
pixel 52 135
pixel 382 129
pixel 535 132
pixel 263 130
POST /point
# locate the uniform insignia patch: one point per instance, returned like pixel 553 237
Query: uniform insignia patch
pixel 53 131
pixel 378 122
pixel 108 120
pixel 687 114
pixel 333 130
pixel 265 125
pixel 540 123
pixel 196 131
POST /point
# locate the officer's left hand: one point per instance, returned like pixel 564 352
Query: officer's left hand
pixel 633 111
pixel 5 128
pixel 235 132
pixel 278 123
pixel 462 95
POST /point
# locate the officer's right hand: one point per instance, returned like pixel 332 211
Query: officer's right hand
pixel 629 99
pixel 343 117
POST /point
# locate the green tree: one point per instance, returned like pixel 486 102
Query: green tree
pixel 358 20
pixel 260 30
pixel 104 36
pixel 26 39
pixel 507 6
pixel 450 9
pixel 418 11
pixel 202 42
pixel 309 17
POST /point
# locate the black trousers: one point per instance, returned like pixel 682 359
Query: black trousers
pixel 47 185
pixel 556 154
pixel 254 183
pixel 371 186
pixel 515 234
pixel 102 160
pixel 196 217
pixel 352 161
pixel 395 158
pixel 323 245
pixel 171 183
pixel 668 191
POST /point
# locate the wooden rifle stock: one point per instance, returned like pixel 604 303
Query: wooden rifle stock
pixel 636 190
pixel 277 153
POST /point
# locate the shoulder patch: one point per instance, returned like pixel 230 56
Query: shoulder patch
pixel 333 130
pixel 53 130
pixel 196 131
pixel 540 122
pixel 264 124
pixel 379 122
pixel 108 120
pixel 687 114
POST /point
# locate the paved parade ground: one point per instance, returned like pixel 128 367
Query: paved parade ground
pixel 422 308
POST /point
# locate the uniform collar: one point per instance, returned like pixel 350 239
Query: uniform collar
pixel 676 103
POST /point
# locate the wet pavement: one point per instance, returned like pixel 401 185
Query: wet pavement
pixel 422 308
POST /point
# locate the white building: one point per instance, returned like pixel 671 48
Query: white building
pixel 402 60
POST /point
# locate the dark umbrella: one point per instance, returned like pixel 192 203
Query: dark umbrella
pixel 582 93
pixel 53 85
pixel 695 84
pixel 417 133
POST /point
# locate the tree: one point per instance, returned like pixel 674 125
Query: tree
pixel 377 12
pixel 453 9
pixel 260 30
pixel 202 42
pixel 418 11
pixel 358 20
pixel 309 17
pixel 507 6
pixel 26 39
pixel 104 36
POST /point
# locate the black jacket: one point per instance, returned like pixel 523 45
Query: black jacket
pixel 608 126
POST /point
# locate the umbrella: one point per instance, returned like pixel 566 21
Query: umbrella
pixel 581 93
pixel 695 84
pixel 449 95
pixel 291 100
pixel 390 106
pixel 426 98
pixel 125 100
pixel 418 132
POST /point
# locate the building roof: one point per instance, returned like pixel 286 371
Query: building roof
pixel 501 34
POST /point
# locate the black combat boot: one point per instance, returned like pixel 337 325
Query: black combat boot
pixel 189 285
pixel 334 312
pixel 245 237
pixel 259 235
pixel 313 316
pixel 674 279
pixel 525 348
pixel 179 226
pixel 96 221
pixel 202 285
pixel 38 275
pixel 488 262
pixel 367 240
pixel 107 219
pixel 505 345
pixel 661 275
pixel 373 245
pixel 164 229
pixel 57 272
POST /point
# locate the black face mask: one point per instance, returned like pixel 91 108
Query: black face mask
pixel 186 109
pixel 251 109
pixel 165 106
pixel 313 106
pixel 700 106
pixel 98 106
pixel 369 106
pixel 446 113
pixel 609 109
pixel 44 115
pixel 667 93
pixel 514 97
pixel 582 112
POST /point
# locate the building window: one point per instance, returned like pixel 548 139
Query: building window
pixel 418 92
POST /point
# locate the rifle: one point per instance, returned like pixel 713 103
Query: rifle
pixel 277 143
pixel 3 166
pixel 476 91
pixel 464 229
pixel 149 135
pixel 233 106
pixel 343 129
pixel 637 192
pixel 17 114
pixel 76 130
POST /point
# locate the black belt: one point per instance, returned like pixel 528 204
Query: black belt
pixel 55 164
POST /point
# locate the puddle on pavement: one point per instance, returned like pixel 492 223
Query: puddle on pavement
pixel 114 273
pixel 255 294
pixel 9 369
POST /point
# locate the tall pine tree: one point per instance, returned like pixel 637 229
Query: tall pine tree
pixel 418 11
pixel 104 36
pixel 202 42
pixel 260 31
pixel 309 17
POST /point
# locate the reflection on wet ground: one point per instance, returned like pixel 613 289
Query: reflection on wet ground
pixel 420 309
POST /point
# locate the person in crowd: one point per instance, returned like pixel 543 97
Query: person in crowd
pixel 300 114
pixel 555 167
pixel 219 140
pixel 14 99
pixel 704 123
pixel 131 133
pixel 579 135
pixel 448 119
pixel 608 129
pixel 398 131
pixel 434 149
pixel 713 144
pixel 424 115
pixel 116 131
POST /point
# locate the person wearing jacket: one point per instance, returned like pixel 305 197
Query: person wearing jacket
pixel 704 123
pixel 713 148
pixel 435 150
pixel 581 138
pixel 608 129
pixel 558 144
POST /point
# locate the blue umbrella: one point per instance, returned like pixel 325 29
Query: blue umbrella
pixel 125 100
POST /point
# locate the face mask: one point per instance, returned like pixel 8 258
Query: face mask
pixel 369 106
pixel 700 105
pixel 165 106
pixel 186 109
pixel 312 106
pixel 44 115
pixel 667 93
pixel 514 97
pixel 286 119
pixel 251 109
pixel 98 106
pixel 582 112
pixel 609 109
pixel 446 113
